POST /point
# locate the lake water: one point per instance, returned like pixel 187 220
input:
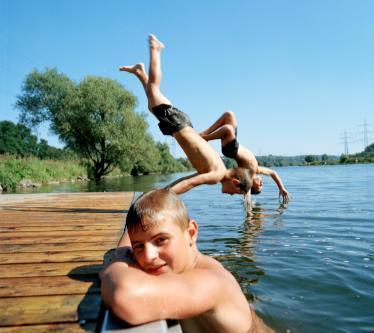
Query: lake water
pixel 307 267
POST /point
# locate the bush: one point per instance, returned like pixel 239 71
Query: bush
pixel 14 169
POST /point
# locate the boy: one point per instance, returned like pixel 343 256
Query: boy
pixel 164 276
pixel 209 166
pixel 225 129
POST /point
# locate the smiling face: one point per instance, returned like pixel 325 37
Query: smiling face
pixel 162 246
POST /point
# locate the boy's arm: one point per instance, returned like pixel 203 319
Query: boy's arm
pixel 274 175
pixel 184 184
pixel 138 297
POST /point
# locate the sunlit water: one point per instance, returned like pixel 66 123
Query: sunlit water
pixel 307 267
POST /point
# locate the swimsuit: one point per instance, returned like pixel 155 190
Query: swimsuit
pixel 231 149
pixel 171 119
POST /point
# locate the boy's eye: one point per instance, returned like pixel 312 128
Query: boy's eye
pixel 161 240
pixel 138 247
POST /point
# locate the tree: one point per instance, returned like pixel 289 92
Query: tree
pixel 310 158
pixel 369 150
pixel 16 139
pixel 94 118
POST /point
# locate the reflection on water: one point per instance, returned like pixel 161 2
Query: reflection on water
pixel 308 267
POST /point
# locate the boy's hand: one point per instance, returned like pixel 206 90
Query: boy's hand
pixel 123 254
pixel 286 197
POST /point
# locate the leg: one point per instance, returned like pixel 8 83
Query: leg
pixel 228 118
pixel 155 97
pixel 151 85
pixel 139 71
pixel 225 133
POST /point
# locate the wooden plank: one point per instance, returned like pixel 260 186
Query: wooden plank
pixel 48 309
pixel 56 285
pixel 103 222
pixel 53 234
pixel 52 269
pixel 52 240
pixel 91 227
pixel 51 328
pixel 51 249
pixel 49 257
pixel 60 247
pixel 59 227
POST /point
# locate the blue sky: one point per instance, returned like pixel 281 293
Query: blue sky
pixel 296 73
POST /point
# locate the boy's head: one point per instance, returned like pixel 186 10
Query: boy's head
pixel 256 185
pixel 239 181
pixel 162 235
pixel 155 206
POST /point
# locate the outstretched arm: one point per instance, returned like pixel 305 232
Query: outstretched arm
pixel 273 174
pixel 185 184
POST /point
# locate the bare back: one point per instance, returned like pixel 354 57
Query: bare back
pixel 246 159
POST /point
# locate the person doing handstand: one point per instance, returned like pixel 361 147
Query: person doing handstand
pixel 225 129
pixel 159 273
pixel 208 164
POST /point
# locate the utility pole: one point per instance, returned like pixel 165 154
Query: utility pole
pixel 346 139
pixel 365 133
pixel 173 147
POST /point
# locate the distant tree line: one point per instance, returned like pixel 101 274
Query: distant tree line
pixel 17 139
pixel 366 156
pixel 95 119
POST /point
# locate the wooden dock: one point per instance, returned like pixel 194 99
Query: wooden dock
pixel 51 248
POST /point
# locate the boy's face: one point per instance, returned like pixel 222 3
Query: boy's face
pixel 257 184
pixel 162 246
pixel 230 186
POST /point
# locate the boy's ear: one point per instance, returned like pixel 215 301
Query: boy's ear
pixel 193 230
pixel 235 181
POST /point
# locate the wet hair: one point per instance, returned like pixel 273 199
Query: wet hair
pixel 156 205
pixel 255 191
pixel 245 178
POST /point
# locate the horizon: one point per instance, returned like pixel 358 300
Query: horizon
pixel 297 75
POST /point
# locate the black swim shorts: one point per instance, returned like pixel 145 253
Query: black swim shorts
pixel 231 149
pixel 170 119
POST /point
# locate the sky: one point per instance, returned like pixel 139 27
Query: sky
pixel 297 74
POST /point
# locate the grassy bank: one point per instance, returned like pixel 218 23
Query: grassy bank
pixel 13 170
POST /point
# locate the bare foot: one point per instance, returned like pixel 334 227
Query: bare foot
pixel 137 69
pixel 154 43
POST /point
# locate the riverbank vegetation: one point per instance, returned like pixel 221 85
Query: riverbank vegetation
pixel 32 171
pixel 367 156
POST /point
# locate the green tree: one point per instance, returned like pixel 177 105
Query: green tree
pixel 167 163
pixel 310 158
pixel 229 162
pixel 369 150
pixel 94 118
pixel 16 139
